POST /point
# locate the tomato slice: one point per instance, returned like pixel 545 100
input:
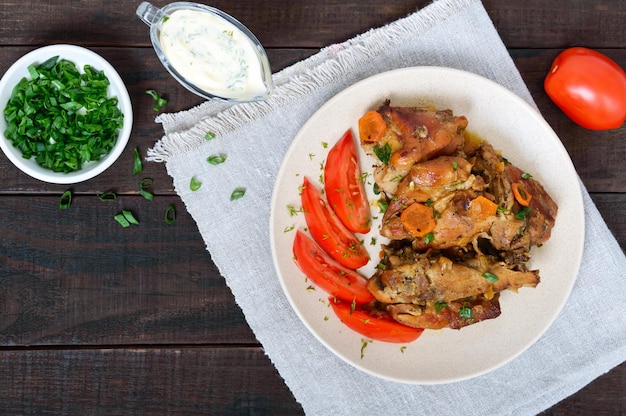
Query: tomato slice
pixel 344 185
pixel 328 230
pixel 379 328
pixel 589 87
pixel 329 275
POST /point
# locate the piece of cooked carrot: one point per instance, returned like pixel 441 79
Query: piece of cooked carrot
pixel 520 194
pixel 481 208
pixel 371 127
pixel 418 219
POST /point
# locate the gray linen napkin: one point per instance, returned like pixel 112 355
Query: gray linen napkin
pixel 587 339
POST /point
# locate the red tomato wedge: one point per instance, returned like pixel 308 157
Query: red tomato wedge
pixel 328 230
pixel 374 327
pixel 344 185
pixel 329 275
pixel 589 87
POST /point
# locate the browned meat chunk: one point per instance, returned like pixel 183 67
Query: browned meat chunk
pixel 438 278
pixel 453 315
pixel 414 134
pixel 449 269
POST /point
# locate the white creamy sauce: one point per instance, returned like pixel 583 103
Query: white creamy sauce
pixel 212 54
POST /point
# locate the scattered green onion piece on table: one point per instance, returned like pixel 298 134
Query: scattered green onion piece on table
pixel 170 214
pixel 126 218
pixel 194 184
pixel 108 196
pixel 159 102
pixel 66 200
pixel 61 117
pixel 209 136
pixel 144 185
pixel 216 159
pixel 237 194
pixel 137 165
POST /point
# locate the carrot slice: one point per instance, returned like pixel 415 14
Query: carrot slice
pixel 481 208
pixel 371 127
pixel 418 219
pixel 521 196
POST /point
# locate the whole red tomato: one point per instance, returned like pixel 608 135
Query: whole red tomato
pixel 589 87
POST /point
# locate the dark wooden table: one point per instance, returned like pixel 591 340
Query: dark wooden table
pixel 97 319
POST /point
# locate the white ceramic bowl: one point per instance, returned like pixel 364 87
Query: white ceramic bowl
pixel 80 57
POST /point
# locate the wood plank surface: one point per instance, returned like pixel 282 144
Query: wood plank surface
pixel 113 381
pixel 101 320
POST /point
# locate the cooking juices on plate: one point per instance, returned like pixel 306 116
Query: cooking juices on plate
pixel 459 219
pixel 208 51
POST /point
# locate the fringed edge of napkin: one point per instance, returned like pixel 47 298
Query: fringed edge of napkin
pixel 186 130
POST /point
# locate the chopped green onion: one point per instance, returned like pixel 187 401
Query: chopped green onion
pixel 382 205
pixel 159 101
pixel 126 218
pixel 521 214
pixel 429 238
pixel 364 344
pixel 216 159
pixel 145 184
pixel 61 117
pixel 237 194
pixel 137 165
pixel 490 276
pixel 465 313
pixel 383 153
pixel 439 305
pixel 194 184
pixel 526 175
pixel 170 214
pixel 108 196
pixel 209 136
pixel 66 200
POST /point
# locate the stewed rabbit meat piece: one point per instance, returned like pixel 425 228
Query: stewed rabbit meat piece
pixel 461 220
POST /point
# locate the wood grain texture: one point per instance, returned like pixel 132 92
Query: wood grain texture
pixel 97 319
pixel 76 277
pixel 143 381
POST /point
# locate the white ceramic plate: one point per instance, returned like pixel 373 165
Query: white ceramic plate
pixel 80 57
pixel 511 125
